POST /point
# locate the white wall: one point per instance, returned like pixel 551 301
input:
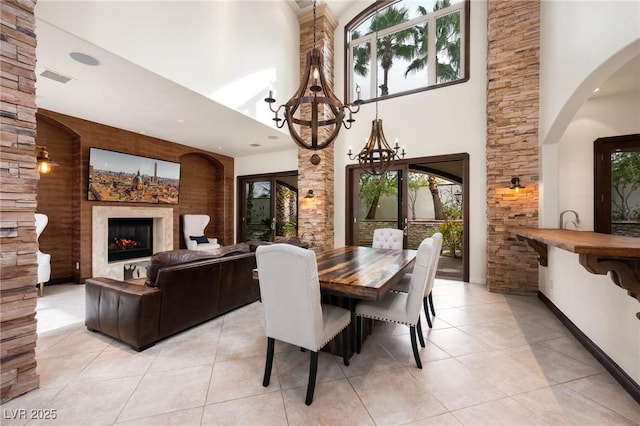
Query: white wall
pixel 576 57
pixel 578 40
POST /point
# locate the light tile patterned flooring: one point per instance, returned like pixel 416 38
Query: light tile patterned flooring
pixel 490 359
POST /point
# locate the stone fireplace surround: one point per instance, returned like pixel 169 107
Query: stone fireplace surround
pixel 162 236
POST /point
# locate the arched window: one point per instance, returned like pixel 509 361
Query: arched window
pixel 415 44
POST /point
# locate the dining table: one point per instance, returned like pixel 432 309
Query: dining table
pixel 351 273
pixel 362 273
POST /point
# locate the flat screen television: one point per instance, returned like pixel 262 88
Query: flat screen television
pixel 116 176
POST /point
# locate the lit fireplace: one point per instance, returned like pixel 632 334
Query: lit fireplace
pixel 130 238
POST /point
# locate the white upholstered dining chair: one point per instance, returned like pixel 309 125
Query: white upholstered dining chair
pixel 402 308
pixel 193 226
pixel 290 293
pixel 388 238
pixel 43 259
pixel 427 301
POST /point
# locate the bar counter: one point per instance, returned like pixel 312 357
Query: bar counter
pixel 598 253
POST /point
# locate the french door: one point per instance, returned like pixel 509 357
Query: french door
pixel 268 206
pixel 379 204
pixel 421 196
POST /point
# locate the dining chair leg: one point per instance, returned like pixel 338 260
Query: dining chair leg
pixel 269 363
pixel 414 346
pixel 433 311
pixel 425 304
pixel 313 370
pixel 346 345
pixel 358 334
pixel 426 311
pixel 419 330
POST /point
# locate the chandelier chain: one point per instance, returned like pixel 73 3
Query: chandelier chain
pixel 314 24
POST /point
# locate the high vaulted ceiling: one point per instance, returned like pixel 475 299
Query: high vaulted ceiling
pixel 195 73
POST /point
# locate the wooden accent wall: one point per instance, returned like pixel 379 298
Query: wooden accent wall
pixel 513 69
pixel 316 215
pixel 207 186
pixel 18 188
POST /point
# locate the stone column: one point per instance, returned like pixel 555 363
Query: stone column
pixel 513 68
pixel 316 215
pixel 18 190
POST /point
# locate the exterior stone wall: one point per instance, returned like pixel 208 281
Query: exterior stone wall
pixel 628 229
pixel 18 190
pixel 513 68
pixel 315 215
pixel 417 230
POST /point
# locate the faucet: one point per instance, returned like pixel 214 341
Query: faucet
pixel 576 223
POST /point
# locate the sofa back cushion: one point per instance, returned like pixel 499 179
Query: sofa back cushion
pixel 179 257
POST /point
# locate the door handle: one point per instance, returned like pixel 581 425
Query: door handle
pixel 405 230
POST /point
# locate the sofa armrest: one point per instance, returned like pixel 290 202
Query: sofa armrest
pixel 127 312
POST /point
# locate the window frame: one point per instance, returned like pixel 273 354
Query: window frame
pixel 429 19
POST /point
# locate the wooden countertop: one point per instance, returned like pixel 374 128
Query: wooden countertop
pixel 598 253
pixel 584 242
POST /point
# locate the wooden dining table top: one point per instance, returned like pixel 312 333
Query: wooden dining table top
pixel 362 272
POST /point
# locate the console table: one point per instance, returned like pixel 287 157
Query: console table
pixel 598 253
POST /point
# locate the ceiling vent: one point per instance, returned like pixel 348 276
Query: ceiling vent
pixel 55 76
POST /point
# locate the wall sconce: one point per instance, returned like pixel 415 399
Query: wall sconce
pixel 44 162
pixel 515 184
pixel 309 198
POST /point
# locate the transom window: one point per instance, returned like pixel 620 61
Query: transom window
pixel 415 44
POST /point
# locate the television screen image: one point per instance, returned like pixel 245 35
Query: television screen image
pixel 116 176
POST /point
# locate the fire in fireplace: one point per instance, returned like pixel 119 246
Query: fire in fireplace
pixel 129 238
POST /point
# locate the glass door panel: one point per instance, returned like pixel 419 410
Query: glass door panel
pixel 625 192
pixel 286 210
pixel 257 221
pixel 379 204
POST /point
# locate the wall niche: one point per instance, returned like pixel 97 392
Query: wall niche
pixel 205 187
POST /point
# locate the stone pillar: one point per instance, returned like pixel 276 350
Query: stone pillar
pixel 18 190
pixel 316 215
pixel 513 68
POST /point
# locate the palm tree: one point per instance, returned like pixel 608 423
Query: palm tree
pixel 447 42
pixel 388 47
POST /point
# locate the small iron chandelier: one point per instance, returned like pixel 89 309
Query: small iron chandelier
pixel 326 109
pixel 44 162
pixel 377 155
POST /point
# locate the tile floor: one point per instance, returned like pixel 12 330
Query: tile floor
pixel 490 359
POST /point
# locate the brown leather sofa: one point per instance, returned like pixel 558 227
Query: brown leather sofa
pixel 183 288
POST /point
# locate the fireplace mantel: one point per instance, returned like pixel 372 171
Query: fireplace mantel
pixel 162 236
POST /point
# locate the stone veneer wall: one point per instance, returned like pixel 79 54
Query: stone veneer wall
pixel 513 68
pixel 316 215
pixel 18 190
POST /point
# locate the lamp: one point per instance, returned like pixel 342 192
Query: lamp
pixel 309 194
pixel 515 184
pixel 377 156
pixel 326 109
pixel 44 162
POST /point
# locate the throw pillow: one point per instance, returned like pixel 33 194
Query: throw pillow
pixel 200 240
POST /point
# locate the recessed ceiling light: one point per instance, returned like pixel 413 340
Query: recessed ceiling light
pixel 255 145
pixel 596 90
pixel 273 137
pixel 83 58
pixel 181 120
pixel 218 147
